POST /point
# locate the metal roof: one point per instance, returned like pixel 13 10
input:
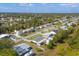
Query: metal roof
pixel 21 49
pixel 38 38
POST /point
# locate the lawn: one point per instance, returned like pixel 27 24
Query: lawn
pixel 26 34
pixel 32 37
pixel 6 47
pixel 7 52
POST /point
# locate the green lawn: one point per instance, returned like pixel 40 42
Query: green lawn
pixel 6 48
pixel 27 34
pixel 32 37
pixel 7 52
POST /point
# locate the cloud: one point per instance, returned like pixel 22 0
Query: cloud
pixel 5 8
pixel 25 4
pixel 69 5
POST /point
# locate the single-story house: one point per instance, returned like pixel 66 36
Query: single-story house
pixel 63 27
pixel 55 30
pixel 4 36
pixel 23 49
pixel 44 26
pixel 23 31
pixel 27 30
pixel 40 27
pixel 49 24
pixel 49 34
pixel 69 24
pixel 13 38
pixel 17 33
pixel 48 40
pixel 39 40
pixel 64 20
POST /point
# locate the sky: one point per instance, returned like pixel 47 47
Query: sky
pixel 39 7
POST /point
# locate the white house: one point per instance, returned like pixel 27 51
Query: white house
pixel 69 24
pixel 63 27
pixel 4 35
pixel 49 36
pixel 13 38
pixel 17 33
pixel 48 40
pixel 27 30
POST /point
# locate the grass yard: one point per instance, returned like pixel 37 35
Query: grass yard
pixel 7 52
pixel 32 37
pixel 6 48
pixel 26 34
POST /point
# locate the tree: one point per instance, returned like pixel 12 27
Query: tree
pixel 6 46
pixel 50 45
pixel 58 38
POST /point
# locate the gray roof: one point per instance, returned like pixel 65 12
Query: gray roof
pixel 38 38
pixel 21 49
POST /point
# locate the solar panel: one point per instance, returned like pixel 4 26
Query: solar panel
pixel 21 49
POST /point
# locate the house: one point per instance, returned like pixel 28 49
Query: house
pixel 69 24
pixel 23 49
pixel 63 27
pixel 4 36
pixel 39 27
pixel 55 30
pixel 28 30
pixel 13 38
pixel 49 36
pixel 39 40
pixel 49 24
pixel 64 20
pixel 17 33
pixel 48 40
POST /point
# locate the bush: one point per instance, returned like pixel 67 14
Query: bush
pixel 50 45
